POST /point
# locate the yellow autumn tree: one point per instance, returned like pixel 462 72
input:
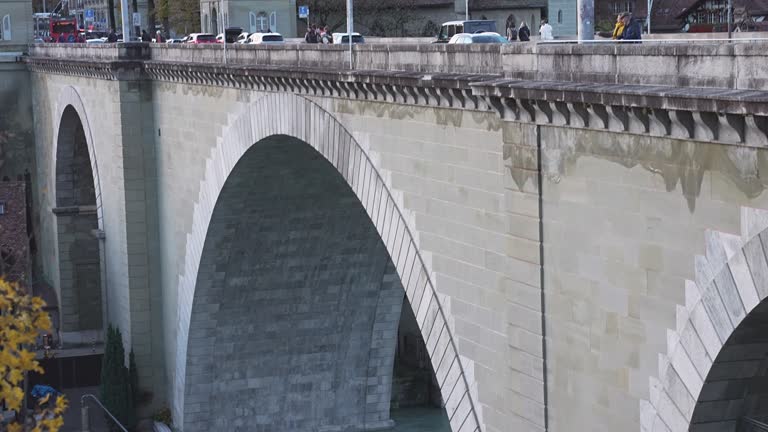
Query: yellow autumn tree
pixel 21 320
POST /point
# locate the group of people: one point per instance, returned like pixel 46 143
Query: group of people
pixel 145 37
pixel 627 29
pixel 523 33
pixel 318 34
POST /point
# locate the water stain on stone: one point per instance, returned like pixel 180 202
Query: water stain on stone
pixel 677 162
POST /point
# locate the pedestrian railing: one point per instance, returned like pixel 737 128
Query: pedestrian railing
pixel 85 420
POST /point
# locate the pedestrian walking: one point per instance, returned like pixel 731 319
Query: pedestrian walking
pixel 618 29
pixel 112 37
pixel 311 36
pixel 524 33
pixel 633 30
pixel 511 33
pixel 545 30
pixel 326 37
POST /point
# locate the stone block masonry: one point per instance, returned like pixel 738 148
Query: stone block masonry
pixel 295 318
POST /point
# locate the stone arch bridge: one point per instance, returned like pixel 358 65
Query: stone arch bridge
pixel 578 231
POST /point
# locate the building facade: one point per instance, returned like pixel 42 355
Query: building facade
pixel 250 15
pixel 562 17
pixel 15 23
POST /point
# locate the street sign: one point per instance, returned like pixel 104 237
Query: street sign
pixel 303 11
pixel 89 15
pixel 136 19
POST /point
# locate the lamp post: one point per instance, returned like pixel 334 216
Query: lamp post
pixel 730 18
pixel 466 10
pixel 350 29
pixel 648 19
pixel 126 24
pixel 586 19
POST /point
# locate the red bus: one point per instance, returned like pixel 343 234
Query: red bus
pixel 65 30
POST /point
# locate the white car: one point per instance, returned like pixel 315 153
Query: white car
pixel 243 38
pixel 343 38
pixel 96 41
pixel 266 38
pixel 201 38
pixel 476 38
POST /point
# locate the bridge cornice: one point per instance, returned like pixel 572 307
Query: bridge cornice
pixel 723 115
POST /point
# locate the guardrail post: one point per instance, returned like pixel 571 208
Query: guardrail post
pixel 85 423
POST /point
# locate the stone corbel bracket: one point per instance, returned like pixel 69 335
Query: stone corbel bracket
pixel 701 114
pixel 99 69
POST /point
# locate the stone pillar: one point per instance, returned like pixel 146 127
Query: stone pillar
pixel 586 21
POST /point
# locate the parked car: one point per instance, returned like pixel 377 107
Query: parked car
pixel 96 40
pixel 451 28
pixel 266 38
pixel 173 41
pixel 476 38
pixel 201 38
pixel 242 38
pixel 343 38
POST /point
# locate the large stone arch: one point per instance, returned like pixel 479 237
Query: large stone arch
pixel 731 285
pixel 80 279
pixel 297 117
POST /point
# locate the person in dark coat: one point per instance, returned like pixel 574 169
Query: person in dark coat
pixel 524 33
pixel 633 30
pixel 145 36
pixel 112 37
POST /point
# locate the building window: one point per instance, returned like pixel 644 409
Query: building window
pixel 262 22
pixel 623 6
pixel 273 22
pixel 252 21
pixel 5 34
pixel 560 17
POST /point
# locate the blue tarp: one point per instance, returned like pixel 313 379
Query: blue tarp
pixel 40 391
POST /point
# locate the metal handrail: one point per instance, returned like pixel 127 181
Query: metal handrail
pixel 98 402
pixel 758 426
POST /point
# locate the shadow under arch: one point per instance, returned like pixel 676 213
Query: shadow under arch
pixel 70 113
pixel 301 120
pixel 80 277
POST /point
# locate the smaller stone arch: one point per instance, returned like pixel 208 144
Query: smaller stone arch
pixel 70 103
pixel 731 286
pixel 77 208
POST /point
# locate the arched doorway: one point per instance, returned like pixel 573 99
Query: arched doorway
pixel 78 231
pixel 312 144
pixel 214 21
pixel 735 393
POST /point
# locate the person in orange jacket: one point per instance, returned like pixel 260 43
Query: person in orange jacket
pixel 619 28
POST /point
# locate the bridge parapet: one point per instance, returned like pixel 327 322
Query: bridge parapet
pixel 708 64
